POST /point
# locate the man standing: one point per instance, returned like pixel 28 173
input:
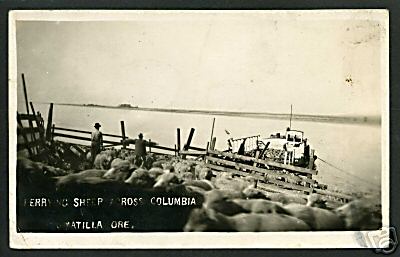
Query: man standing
pixel 140 150
pixel 97 142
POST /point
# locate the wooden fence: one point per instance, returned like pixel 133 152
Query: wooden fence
pixel 111 140
pixel 30 135
pixel 270 175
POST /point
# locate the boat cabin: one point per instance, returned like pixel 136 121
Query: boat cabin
pixel 289 148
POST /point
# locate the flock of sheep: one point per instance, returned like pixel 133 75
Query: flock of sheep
pixel 226 203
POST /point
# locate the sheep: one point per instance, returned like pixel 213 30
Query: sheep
pixel 261 206
pixel 315 200
pixel 103 160
pixel 358 215
pixel 210 220
pixel 202 172
pixel 120 169
pixel 220 201
pixel 231 184
pixel 155 172
pixel 165 179
pixel 92 176
pixel 285 198
pixel 140 178
pixel 204 184
pixel 253 193
pixel 316 218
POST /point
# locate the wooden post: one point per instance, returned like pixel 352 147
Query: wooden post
pixel 311 162
pixel 52 132
pixel 27 105
pixel 33 109
pixel 175 150
pixel 149 145
pixel 212 133
pixel 178 139
pixel 38 124
pixel 123 134
pixel 189 140
pixel 207 152
pixel 25 93
pixel 213 141
pixel 49 122
pixel 24 136
pixel 310 166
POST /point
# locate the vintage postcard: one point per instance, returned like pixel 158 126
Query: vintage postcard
pixel 199 129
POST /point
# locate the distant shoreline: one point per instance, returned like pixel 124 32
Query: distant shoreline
pixel 367 120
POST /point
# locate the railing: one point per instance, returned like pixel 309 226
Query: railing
pixel 30 134
pixel 270 175
pixel 250 144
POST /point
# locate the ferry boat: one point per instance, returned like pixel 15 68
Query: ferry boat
pixel 288 148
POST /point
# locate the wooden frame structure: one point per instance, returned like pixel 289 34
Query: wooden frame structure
pixel 271 176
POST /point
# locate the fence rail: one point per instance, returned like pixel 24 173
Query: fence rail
pixel 109 143
pixel 85 132
pixel 30 138
pixel 269 175
pixel 265 162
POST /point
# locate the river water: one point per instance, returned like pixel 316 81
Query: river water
pixel 353 151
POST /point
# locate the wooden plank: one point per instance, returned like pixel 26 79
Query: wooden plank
pixel 26 117
pixel 189 140
pixel 163 148
pixel 270 173
pixel 25 93
pixel 150 146
pixel 213 142
pixel 237 139
pixel 38 125
pixel 178 139
pixel 192 153
pixel 24 135
pixel 49 122
pixel 123 134
pixel 112 144
pixel 196 148
pixel 33 137
pixel 212 133
pixel 259 177
pixel 56 134
pixel 52 132
pixel 28 130
pixel 334 194
pixel 86 132
pixel 265 162
pixel 290 185
pixel 311 163
pixel 230 170
pixel 273 188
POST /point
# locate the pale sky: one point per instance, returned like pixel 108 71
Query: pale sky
pixel 233 62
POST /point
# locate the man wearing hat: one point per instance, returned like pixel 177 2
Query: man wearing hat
pixel 97 141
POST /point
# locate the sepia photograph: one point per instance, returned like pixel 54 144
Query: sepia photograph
pixel 199 129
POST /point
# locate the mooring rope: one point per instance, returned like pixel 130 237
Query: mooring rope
pixel 348 173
